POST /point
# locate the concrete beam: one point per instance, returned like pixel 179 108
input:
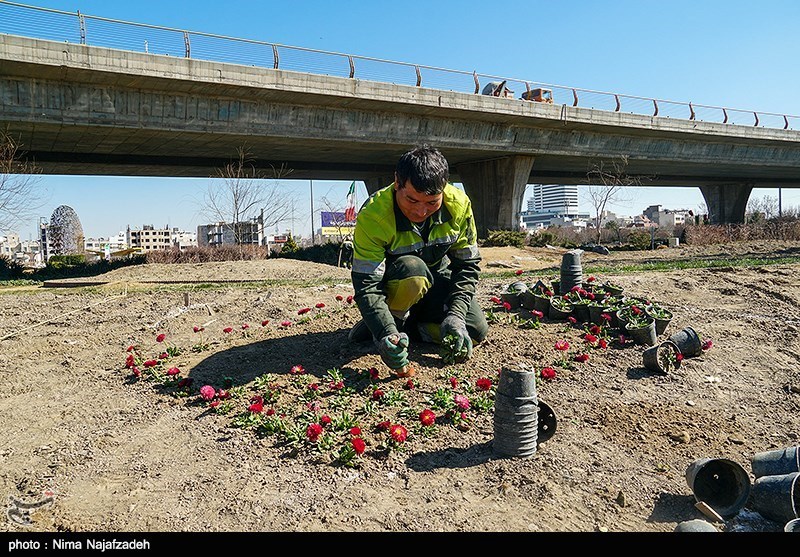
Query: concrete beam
pixel 496 188
pixel 374 183
pixel 726 202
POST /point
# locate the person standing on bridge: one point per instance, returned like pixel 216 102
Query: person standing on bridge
pixel 416 262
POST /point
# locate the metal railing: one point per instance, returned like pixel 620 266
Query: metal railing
pixel 56 25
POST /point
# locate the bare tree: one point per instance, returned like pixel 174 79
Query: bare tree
pixel 19 198
pixel 607 182
pixel 244 195
pixel 761 208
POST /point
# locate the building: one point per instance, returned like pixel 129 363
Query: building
pixel 182 239
pixel 666 217
pixel 222 233
pixel 9 245
pixel 552 205
pixel 149 238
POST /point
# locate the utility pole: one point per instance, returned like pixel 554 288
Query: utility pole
pixel 311 183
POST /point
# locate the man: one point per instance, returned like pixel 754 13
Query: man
pixel 415 262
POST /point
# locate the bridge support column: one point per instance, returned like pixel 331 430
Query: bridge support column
pixel 377 182
pixel 726 202
pixel 496 188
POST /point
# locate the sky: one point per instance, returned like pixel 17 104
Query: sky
pixel 727 53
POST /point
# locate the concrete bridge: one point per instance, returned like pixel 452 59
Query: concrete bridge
pixel 80 109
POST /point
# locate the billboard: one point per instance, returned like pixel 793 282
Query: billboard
pixel 335 219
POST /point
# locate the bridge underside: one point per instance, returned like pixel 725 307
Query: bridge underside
pixel 93 111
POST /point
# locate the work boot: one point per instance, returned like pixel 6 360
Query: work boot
pixel 359 333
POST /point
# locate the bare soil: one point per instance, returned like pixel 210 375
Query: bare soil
pixel 120 454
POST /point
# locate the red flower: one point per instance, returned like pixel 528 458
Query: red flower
pixel 256 405
pixel 358 445
pixel 130 348
pixel 635 310
pixel 313 431
pixel 605 316
pixel 707 344
pixel 679 357
pixel 313 387
pixel 325 420
pixel 207 392
pixel 339 298
pixel 590 295
pixel 621 339
pixel 427 417
pixel 537 314
pixel 349 299
pixel 223 394
pixel 582 358
pixel 270 411
pixel 384 426
pixel 227 330
pixel 285 323
pixel 518 272
pixel 214 403
pixel 377 394
pixel 150 363
pixel 562 345
pixel 590 279
pixel 245 326
pixel 548 292
pixel 163 356
pixel 603 343
pixel 136 371
pixel 265 323
pixel 161 337
pixel 185 382
pixel 409 384
pixel 173 371
pixel 303 311
pixel 507 306
pixel 297 370
pixel 496 300
pixel 373 373
pixel 355 431
pixel 590 338
pixel 595 329
pixel 484 383
pixel 548 373
pixel 399 433
pixel 197 329
pixel 337 386
pixel 454 382
pixel 572 319
pixel 130 361
pixel 320 305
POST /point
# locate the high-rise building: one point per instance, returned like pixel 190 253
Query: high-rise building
pixel 551 202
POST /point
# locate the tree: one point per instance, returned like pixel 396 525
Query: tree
pixel 760 209
pixel 608 179
pixel 19 198
pixel 245 195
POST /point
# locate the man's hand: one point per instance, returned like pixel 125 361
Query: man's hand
pixel 454 325
pixel 394 350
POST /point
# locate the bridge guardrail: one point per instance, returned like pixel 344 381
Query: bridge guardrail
pixel 57 25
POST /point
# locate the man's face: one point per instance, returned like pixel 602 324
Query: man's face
pixel 416 206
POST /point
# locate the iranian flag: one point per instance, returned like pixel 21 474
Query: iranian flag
pixel 350 211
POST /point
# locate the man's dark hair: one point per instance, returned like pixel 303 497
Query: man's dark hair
pixel 427 169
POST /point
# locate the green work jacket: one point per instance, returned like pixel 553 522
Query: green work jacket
pixel 383 232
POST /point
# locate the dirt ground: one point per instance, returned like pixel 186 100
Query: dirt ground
pixel 92 448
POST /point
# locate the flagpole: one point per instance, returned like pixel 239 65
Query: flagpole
pixel 311 183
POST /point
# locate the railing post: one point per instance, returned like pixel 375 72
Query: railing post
pixel 477 83
pixel 574 97
pixel 785 122
pixel 655 107
pixel 691 112
pixel 725 114
pixel 419 76
pixel 275 57
pixel 352 67
pixel 82 27
pixel 616 98
pixel 756 115
pixel 187 45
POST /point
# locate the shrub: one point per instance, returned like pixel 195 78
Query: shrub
pixel 10 269
pixel 327 253
pixel 500 238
